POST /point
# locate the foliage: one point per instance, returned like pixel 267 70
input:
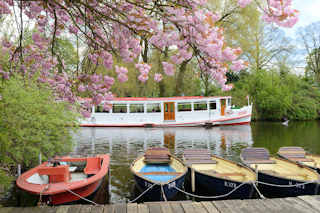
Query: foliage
pixel 126 29
pixel 32 122
pixel 277 95
pixel 310 37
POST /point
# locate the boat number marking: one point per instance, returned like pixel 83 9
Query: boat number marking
pixel 171 185
pixel 230 184
pixel 299 186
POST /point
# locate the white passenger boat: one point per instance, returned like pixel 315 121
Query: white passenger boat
pixel 171 111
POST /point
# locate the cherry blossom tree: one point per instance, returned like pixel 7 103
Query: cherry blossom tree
pixel 124 28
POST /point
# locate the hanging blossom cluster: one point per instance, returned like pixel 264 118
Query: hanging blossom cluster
pixel 118 27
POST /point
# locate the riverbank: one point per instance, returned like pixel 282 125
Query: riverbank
pixel 291 204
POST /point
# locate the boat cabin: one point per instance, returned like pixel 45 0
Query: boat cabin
pixel 160 111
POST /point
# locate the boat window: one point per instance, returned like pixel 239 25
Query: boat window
pixel 99 109
pixel 213 105
pixel 200 106
pixel 229 102
pixel 184 107
pixel 119 108
pixel 136 108
pixel 153 107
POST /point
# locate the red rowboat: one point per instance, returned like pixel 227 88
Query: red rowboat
pixel 58 182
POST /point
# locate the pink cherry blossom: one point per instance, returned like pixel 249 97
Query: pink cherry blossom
pixel 243 3
pixel 122 77
pixel 157 77
pixel 168 68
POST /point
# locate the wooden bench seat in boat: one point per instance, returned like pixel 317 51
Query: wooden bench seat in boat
pixel 159 173
pixel 198 156
pixel 56 174
pixel 256 156
pixel 294 153
pixel 93 166
pixel 157 155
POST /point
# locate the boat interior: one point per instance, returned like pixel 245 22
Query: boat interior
pixel 259 159
pixel 65 171
pixel 299 154
pixel 202 161
pixel 158 165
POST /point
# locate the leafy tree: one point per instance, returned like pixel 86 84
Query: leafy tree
pixel 276 95
pixel 32 122
pixel 311 40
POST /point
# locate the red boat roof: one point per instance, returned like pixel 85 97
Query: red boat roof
pixel 162 98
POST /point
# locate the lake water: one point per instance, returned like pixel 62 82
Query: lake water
pixel 126 144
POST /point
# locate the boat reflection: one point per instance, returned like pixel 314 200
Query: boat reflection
pixel 126 144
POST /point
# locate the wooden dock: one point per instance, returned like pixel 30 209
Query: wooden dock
pixel 308 204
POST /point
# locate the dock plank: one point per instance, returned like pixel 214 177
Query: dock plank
pixel 108 209
pixel 222 206
pixel 199 208
pixel 313 201
pixel 142 208
pixel 132 208
pixel 120 208
pixel 209 207
pixel 63 209
pixel 176 207
pixel 154 207
pixel 85 209
pixel 301 205
pixel 188 207
pixel 166 208
pixel 75 209
pixel 97 209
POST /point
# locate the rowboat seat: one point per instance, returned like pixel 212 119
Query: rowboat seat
pixel 93 166
pixel 56 174
pixel 294 153
pixel 256 156
pixel 198 156
pixel 159 173
pixel 157 155
pixel 302 159
pixel 230 174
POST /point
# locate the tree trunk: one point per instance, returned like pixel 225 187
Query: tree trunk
pixel 180 78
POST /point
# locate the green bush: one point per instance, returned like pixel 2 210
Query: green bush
pixel 277 96
pixel 31 122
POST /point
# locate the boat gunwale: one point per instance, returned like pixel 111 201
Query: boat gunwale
pixel 227 179
pixel 60 187
pixel 283 177
pixel 157 182
pixel 301 163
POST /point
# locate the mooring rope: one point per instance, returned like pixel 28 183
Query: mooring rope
pixel 132 201
pixel 258 191
pixel 163 194
pixel 210 197
pixel 285 186
pixel 83 198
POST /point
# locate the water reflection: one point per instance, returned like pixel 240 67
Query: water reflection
pixel 126 144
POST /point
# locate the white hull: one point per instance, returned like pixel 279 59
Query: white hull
pixel 181 118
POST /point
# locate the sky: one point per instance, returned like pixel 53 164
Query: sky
pixel 309 12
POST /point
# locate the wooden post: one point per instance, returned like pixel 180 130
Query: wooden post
pixel 19 170
pixel 193 180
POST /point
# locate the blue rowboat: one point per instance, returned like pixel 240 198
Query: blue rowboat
pixel 299 155
pixel 217 176
pixel 163 177
pixel 275 173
